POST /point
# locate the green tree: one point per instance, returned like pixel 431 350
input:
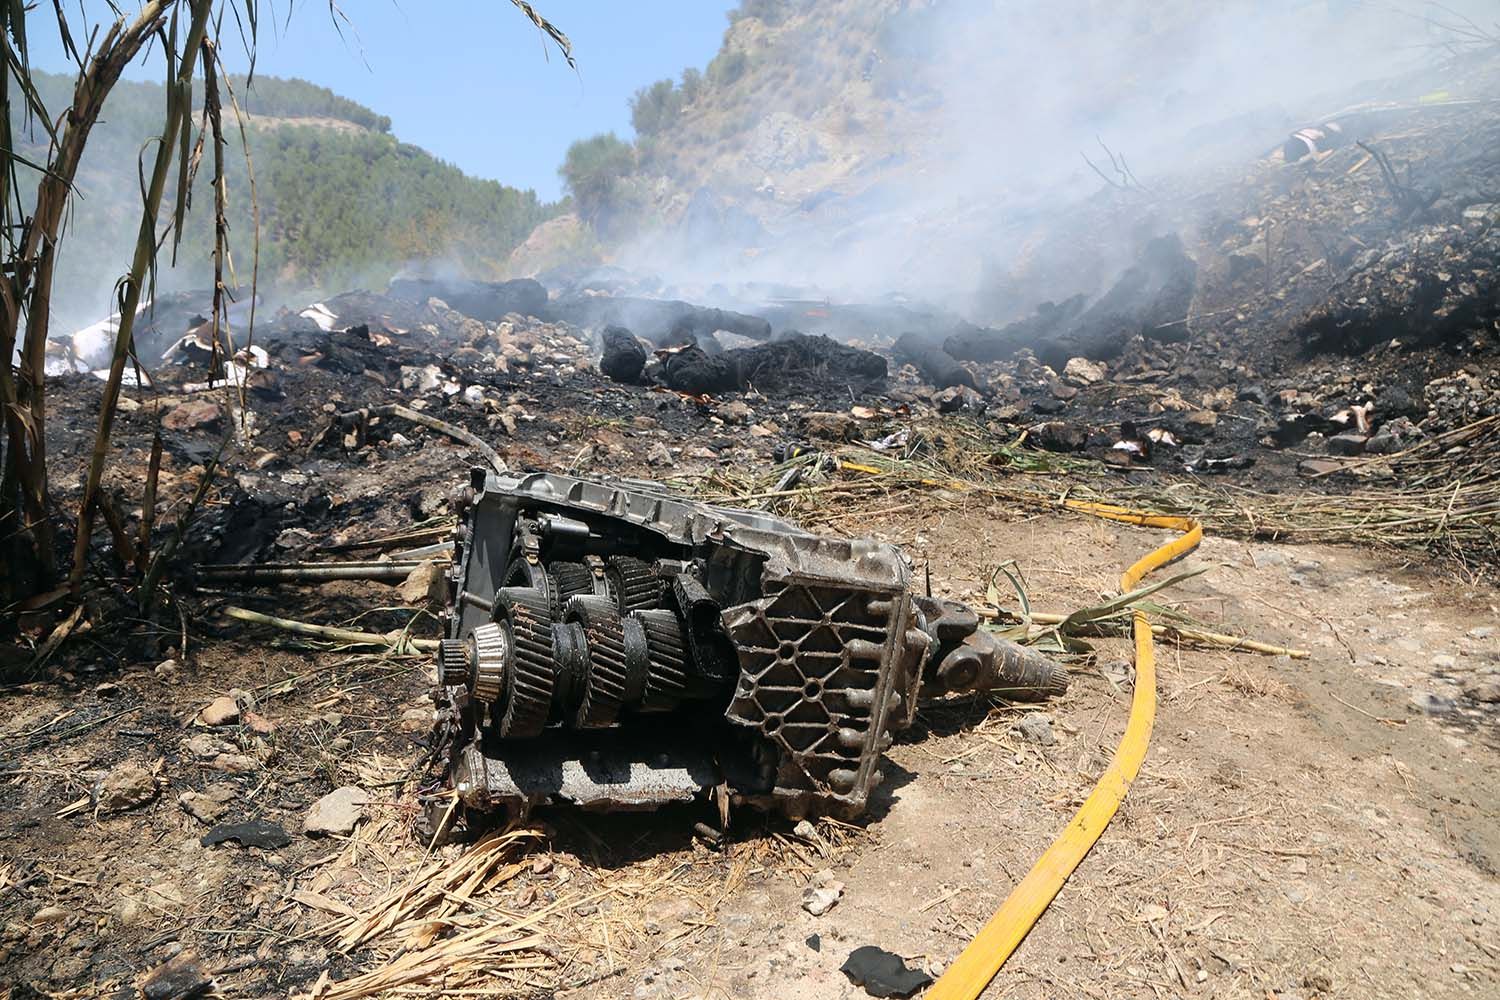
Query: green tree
pixel 595 173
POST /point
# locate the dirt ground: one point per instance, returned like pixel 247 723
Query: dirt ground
pixel 1300 828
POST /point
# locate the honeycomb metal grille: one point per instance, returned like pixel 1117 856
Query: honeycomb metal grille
pixel 811 663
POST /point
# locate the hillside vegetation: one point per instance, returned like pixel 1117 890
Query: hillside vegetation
pixel 342 202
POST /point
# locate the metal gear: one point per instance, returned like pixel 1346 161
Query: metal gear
pixel 489 648
pixel 666 657
pixel 606 677
pixel 633 583
pixel 453 662
pixel 572 579
pixel 526 615
pixel 524 573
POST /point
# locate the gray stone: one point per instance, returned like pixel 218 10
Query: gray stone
pixel 1432 704
pixel 209 805
pixel 1082 371
pixel 1348 443
pixel 1485 689
pixel 1036 727
pixel 659 454
pixel 234 763
pixel 735 412
pixel 337 812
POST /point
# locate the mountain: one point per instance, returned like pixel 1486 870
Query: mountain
pixel 342 202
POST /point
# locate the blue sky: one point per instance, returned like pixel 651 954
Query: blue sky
pixel 473 83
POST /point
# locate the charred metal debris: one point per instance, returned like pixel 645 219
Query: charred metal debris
pixel 615 647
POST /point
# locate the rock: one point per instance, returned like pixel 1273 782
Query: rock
pixel 959 399
pixel 1444 661
pixel 882 973
pixel 1082 371
pixel 1481 632
pixel 830 426
pixel 166 669
pixel 337 812
pixel 1203 418
pixel 424 379
pixel 736 412
pixel 222 711
pixel 1062 391
pixel 234 763
pixel 1347 443
pixel 1318 466
pixel 1432 704
pixel 256 833
pixel 49 915
pixel 425 585
pixel 1036 727
pixel 205 746
pixel 1318 982
pixel 126 787
pixel 259 724
pixel 819 900
pixel 209 805
pixel 193 415
pixel 1394 401
pixel 659 454
pixel 1055 435
pixel 806 831
pixel 181 977
pixel 1485 688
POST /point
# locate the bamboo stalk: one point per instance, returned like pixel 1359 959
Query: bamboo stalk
pixel 1181 631
pixel 398 641
pixel 179 107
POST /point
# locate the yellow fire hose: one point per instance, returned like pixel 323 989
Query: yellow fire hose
pixel 972 971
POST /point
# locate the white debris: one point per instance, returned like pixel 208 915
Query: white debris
pixel 322 316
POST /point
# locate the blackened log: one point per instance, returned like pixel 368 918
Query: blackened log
pixel 936 365
pixel 660 321
pixel 624 356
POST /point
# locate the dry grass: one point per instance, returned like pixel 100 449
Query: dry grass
pixel 511 916
pixel 1442 495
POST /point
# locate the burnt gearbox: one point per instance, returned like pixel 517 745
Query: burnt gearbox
pixel 616 646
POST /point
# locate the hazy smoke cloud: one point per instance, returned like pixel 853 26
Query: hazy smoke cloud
pixel 995 102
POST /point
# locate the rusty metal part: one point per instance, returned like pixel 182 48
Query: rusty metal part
pixel 694 647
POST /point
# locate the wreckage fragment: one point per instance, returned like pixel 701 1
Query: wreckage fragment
pixel 615 646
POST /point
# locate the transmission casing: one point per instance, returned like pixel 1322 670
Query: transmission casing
pixel 612 645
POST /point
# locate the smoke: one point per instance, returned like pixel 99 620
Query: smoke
pixel 944 160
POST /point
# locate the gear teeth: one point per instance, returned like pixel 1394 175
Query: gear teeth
pixel 489 649
pixel 633 583
pixel 527 614
pixel 572 579
pixel 666 653
pixel 605 681
pixel 453 663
